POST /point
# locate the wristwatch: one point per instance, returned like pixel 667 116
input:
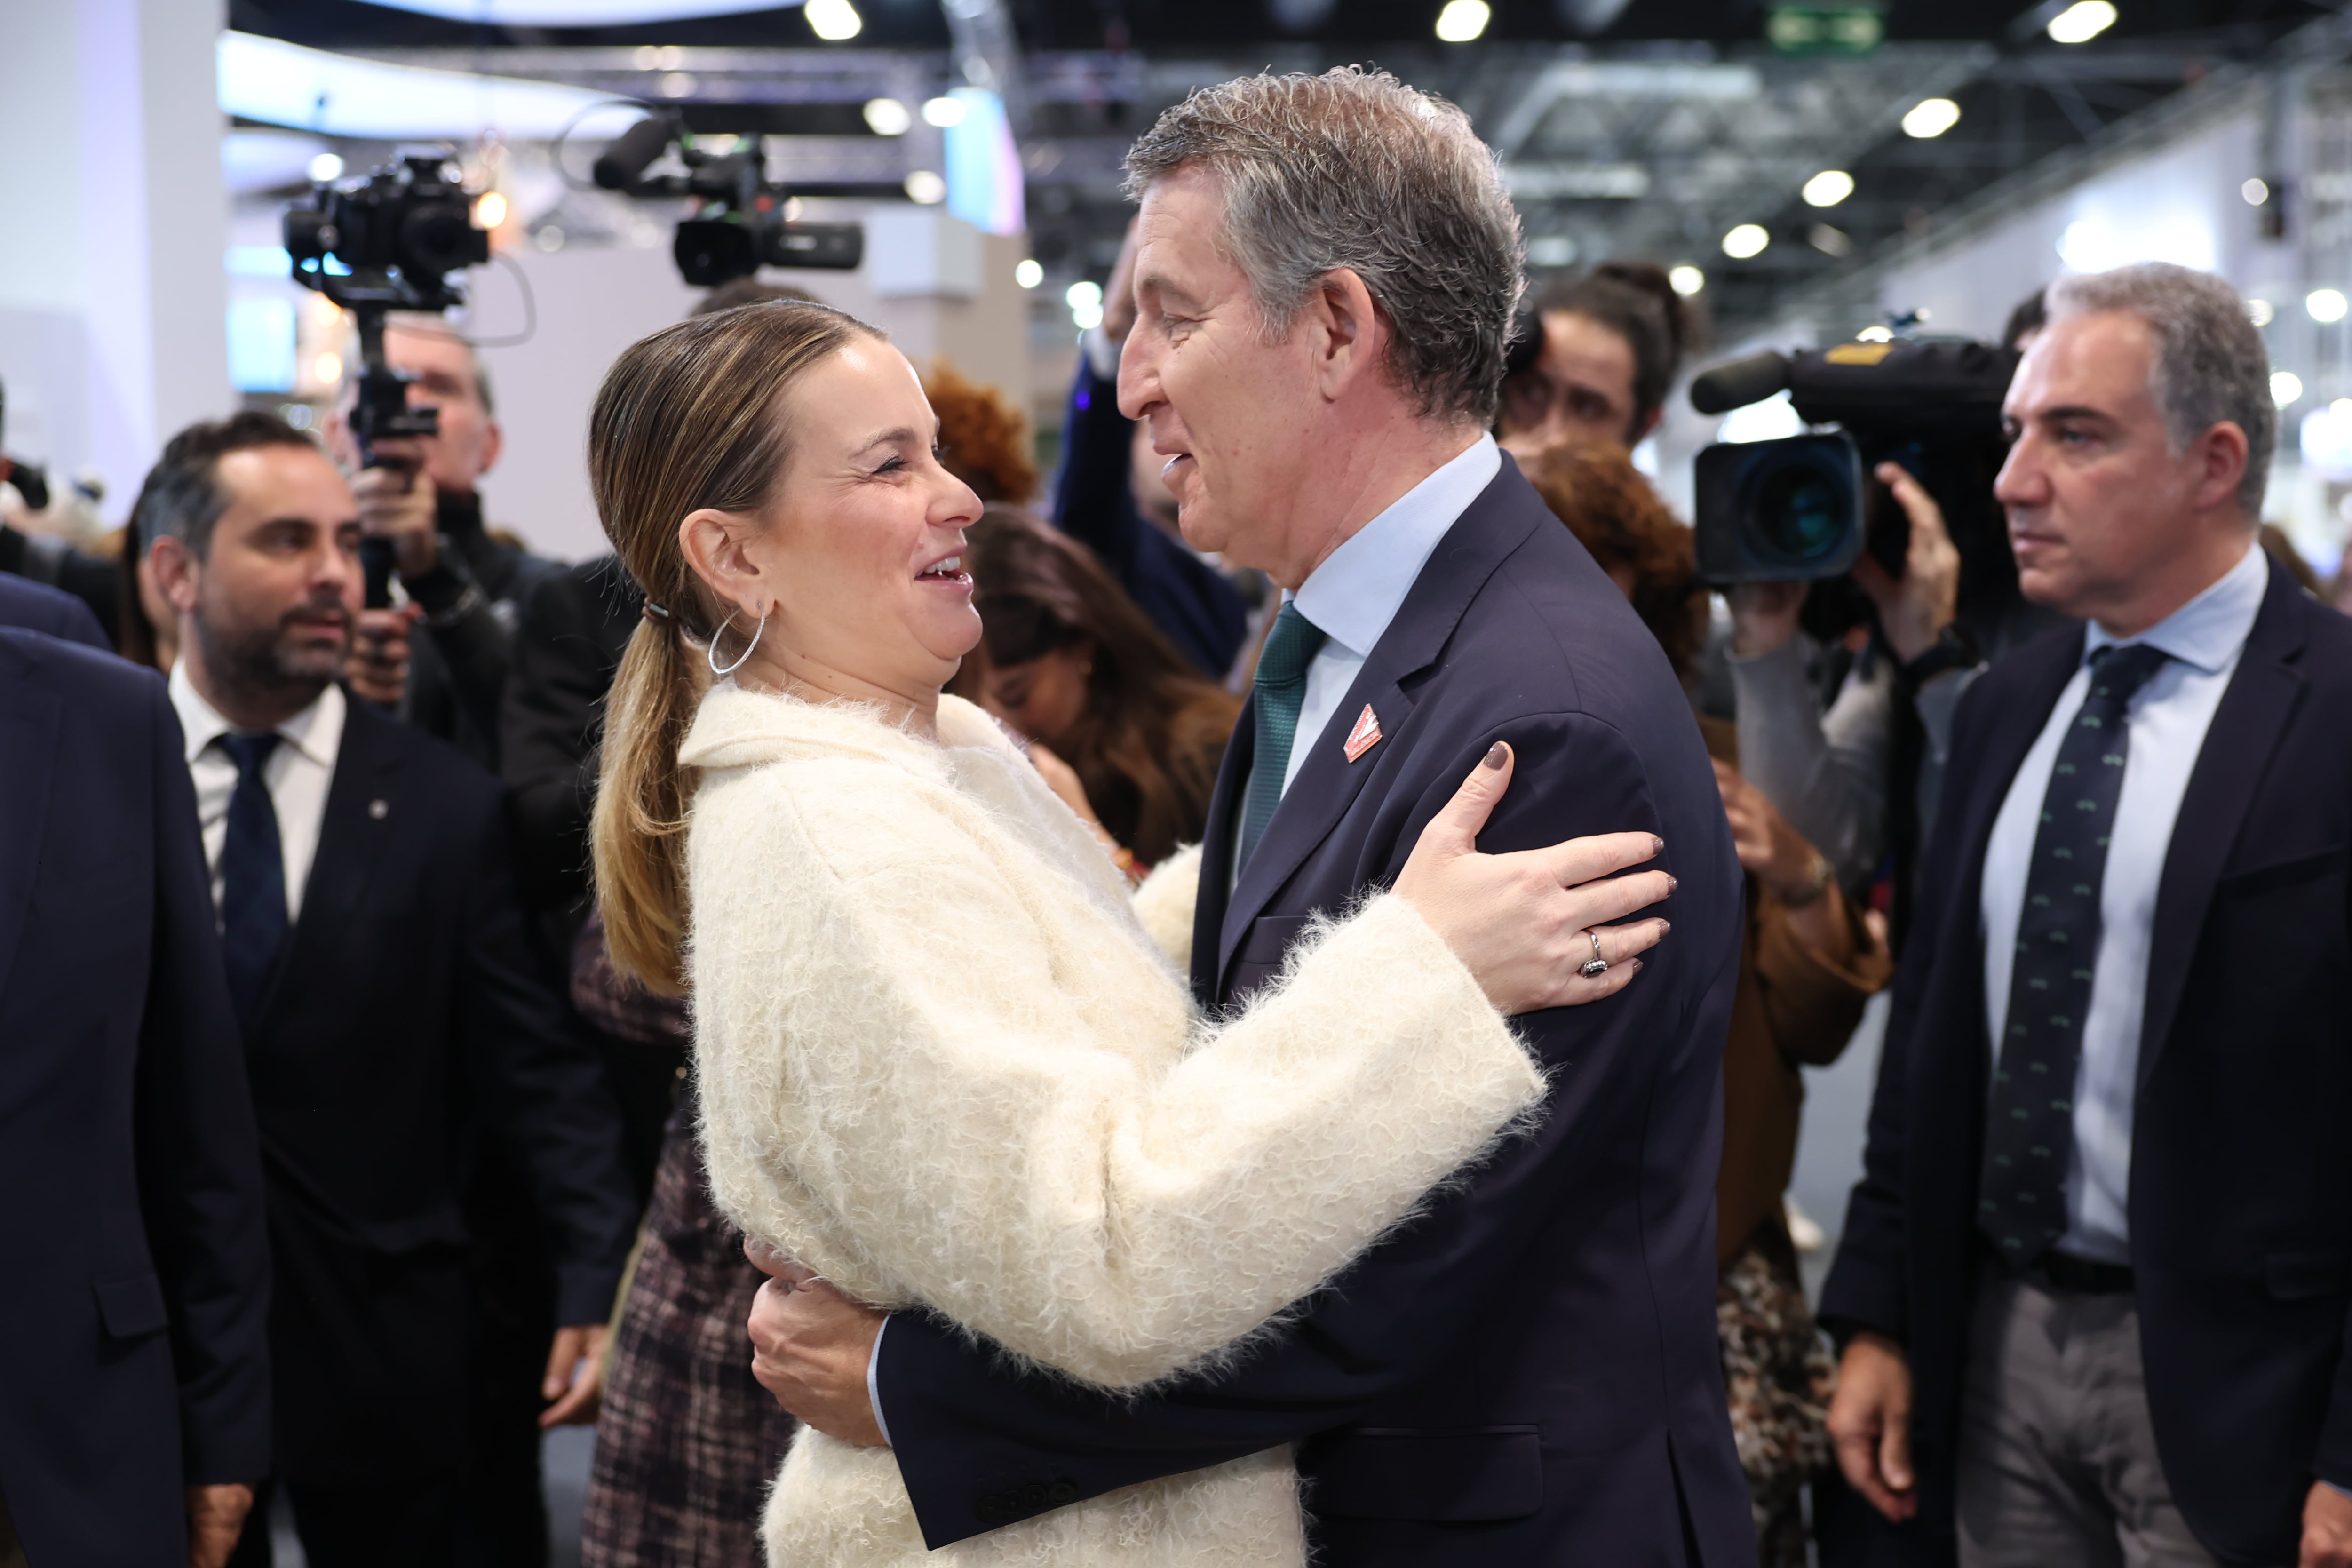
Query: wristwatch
pixel 1953 650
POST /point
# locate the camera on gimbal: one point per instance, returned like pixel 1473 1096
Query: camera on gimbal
pixel 1807 507
pixel 739 223
pixel 387 242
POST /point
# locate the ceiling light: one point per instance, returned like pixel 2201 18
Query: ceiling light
pixel 1931 117
pixel 1086 302
pixel 1687 281
pixel 943 112
pixel 1749 239
pixel 2262 313
pixel 326 168
pixel 490 209
pixel 1028 274
pixel 576 13
pixel 926 186
pixel 676 84
pixel 2285 387
pixel 1830 241
pixel 278 83
pixel 2256 192
pixel 833 20
pixel 2081 22
pixel 1828 188
pixel 2324 304
pixel 1874 335
pixel 329 367
pixel 887 117
pixel 1462 20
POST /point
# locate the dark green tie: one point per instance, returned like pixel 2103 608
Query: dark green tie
pixel 1281 687
pixel 2029 1126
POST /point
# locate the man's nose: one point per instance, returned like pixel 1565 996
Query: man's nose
pixel 2021 482
pixel 1139 376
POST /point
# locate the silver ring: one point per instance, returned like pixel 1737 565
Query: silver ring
pixel 1595 967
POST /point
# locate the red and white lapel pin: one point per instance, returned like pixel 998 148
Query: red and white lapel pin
pixel 1365 735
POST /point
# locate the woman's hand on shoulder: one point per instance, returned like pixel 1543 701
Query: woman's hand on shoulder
pixel 1528 924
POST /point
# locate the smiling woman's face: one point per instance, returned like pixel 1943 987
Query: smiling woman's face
pixel 862 547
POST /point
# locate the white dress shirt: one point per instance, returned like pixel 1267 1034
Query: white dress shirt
pixel 298 775
pixel 2168 719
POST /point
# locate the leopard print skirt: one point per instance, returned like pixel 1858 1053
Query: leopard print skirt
pixel 1777 1366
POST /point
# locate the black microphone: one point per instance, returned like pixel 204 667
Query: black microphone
pixel 1740 381
pixel 621 161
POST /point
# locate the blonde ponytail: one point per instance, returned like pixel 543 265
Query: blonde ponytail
pixel 691 417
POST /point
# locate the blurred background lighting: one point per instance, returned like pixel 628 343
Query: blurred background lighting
pixel 2256 192
pixel 1931 117
pixel 1686 280
pixel 2324 304
pixel 1084 299
pixel 490 209
pixel 1462 20
pixel 1028 274
pixel 942 113
pixel 2081 22
pixel 833 20
pixel 927 186
pixel 887 117
pixel 326 167
pixel 1828 188
pixel 1748 239
pixel 2262 313
pixel 2285 387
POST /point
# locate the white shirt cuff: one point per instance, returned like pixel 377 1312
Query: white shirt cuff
pixel 874 1381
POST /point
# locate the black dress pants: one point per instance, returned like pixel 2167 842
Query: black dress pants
pixel 395 1524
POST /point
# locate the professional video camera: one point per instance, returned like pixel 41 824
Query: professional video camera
pixel 394 237
pixel 739 223
pixel 1806 507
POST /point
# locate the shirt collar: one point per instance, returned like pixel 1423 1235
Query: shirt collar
pixel 2209 630
pixel 1354 594
pixel 317 731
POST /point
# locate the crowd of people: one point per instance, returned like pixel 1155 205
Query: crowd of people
pixel 1244 1002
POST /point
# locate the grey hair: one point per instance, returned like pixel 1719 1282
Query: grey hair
pixel 1353 169
pixel 2210 364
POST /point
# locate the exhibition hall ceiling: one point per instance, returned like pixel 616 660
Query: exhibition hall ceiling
pixel 1770 146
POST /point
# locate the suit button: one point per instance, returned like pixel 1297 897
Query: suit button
pixel 1032 1497
pixel 1061 1494
pixel 991 1509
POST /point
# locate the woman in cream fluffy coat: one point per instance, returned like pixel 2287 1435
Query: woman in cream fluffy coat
pixel 943 1061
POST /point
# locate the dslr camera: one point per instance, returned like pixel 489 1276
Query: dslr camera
pixel 386 241
pixel 1805 507
pixel 738 224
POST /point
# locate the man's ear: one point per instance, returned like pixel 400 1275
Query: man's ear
pixel 494 441
pixel 1346 333
pixel 2220 455
pixel 713 541
pixel 177 571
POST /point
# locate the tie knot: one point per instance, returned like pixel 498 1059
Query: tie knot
pixel 2119 672
pixel 250 753
pixel 1289 649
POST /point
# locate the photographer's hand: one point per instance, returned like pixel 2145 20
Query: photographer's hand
pixel 1764 616
pixel 1914 610
pixel 396 502
pixel 377 665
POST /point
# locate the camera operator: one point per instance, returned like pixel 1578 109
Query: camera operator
pixel 464 585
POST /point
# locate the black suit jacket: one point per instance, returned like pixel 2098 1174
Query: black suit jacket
pixel 1527 1373
pixel 2241 1204
pixel 36 607
pixel 134 1272
pixel 407 1018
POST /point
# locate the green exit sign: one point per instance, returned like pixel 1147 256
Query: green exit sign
pixel 1824 29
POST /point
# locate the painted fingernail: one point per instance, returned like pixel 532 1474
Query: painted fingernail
pixel 1497 755
pixel 1665 926
pixel 1634 964
pixel 1673 882
pixel 1657 845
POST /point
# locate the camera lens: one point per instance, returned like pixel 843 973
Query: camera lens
pixel 1798 513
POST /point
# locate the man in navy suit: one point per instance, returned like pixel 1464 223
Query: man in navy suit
pixel 134 1378
pixel 1527 1373
pixel 2093 1285
pixel 38 607
pixel 394 1022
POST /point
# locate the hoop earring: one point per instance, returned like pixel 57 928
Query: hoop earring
pixel 710 650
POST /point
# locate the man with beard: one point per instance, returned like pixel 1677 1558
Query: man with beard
pixel 394 1019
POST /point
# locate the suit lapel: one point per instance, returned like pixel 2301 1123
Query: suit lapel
pixel 1327 783
pixel 352 838
pixel 29 732
pixel 2255 709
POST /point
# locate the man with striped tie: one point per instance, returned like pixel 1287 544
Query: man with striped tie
pixel 2093 1286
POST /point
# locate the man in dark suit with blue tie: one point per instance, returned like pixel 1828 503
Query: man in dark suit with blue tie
pixel 134 1378
pixel 2093 1285
pixel 1527 1372
pixel 394 1019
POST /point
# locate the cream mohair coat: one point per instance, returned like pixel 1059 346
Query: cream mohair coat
pixel 943 1061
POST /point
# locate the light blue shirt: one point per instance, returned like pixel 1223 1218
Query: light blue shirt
pixel 2168 719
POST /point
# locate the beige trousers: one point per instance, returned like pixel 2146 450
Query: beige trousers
pixel 2057 1454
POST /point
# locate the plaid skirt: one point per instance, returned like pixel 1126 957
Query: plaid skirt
pixel 687 1442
